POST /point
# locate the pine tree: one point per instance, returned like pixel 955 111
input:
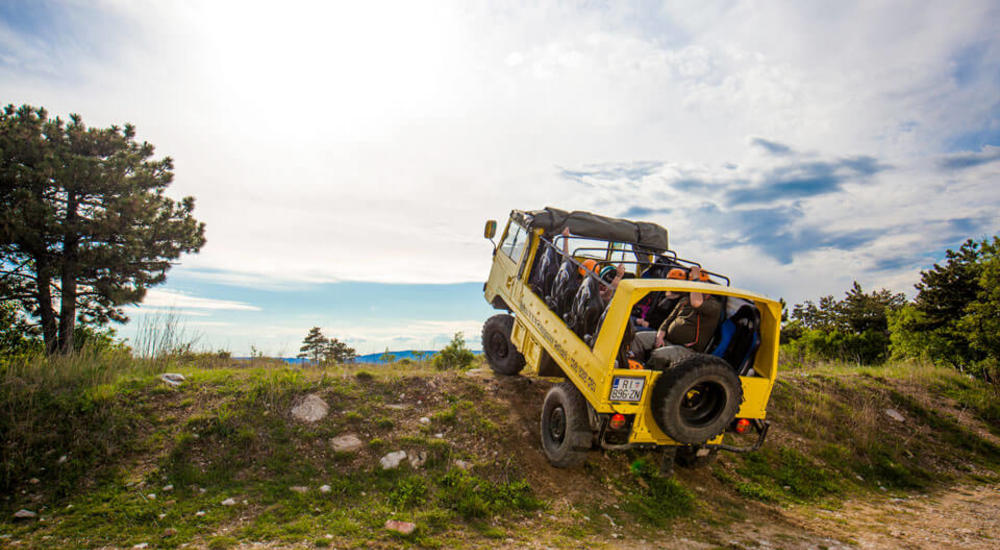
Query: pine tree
pixel 85 226
pixel 314 346
pixel 338 352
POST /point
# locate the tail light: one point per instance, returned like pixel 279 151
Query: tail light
pixel 617 421
pixel 742 425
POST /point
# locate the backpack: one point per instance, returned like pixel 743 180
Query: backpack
pixel 564 288
pixel 544 271
pixel 585 310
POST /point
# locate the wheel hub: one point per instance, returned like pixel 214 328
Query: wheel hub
pixel 557 424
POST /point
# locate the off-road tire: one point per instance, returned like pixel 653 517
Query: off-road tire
pixel 696 399
pixel 566 435
pixel 687 457
pixel 500 352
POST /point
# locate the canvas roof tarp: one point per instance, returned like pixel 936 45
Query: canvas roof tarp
pixel 586 224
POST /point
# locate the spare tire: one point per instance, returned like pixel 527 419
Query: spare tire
pixel 500 352
pixel 696 399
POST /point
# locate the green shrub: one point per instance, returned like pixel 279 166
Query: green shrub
pixel 454 356
pixel 474 497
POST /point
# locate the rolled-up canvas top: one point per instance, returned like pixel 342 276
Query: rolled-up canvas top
pixel 586 224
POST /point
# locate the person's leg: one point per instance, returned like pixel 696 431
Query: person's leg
pixel 663 358
pixel 642 344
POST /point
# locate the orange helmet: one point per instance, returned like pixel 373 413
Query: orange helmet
pixel 677 273
pixel 588 265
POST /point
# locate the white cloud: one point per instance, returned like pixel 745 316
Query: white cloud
pixel 161 299
pixel 369 141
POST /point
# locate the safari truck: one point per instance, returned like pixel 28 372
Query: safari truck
pixel 558 324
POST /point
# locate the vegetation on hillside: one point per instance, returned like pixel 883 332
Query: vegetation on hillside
pixel 101 433
pixel 954 319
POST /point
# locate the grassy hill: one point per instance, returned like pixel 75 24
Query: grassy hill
pixel 108 455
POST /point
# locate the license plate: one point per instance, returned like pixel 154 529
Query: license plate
pixel 626 388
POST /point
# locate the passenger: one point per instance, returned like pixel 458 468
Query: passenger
pixel 687 329
pixel 612 276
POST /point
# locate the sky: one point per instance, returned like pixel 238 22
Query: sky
pixel 345 155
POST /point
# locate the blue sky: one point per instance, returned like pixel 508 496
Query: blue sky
pixel 344 157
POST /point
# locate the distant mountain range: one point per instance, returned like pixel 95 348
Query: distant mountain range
pixel 411 354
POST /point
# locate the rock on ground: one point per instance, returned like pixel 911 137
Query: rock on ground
pixel 347 443
pixel 401 527
pixel 172 378
pixel 392 460
pixel 418 459
pixel 894 414
pixel 311 409
pixel 229 502
pixel 24 514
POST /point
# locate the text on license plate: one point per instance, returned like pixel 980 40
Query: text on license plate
pixel 626 388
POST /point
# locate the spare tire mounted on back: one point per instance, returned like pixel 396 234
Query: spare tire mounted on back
pixel 696 399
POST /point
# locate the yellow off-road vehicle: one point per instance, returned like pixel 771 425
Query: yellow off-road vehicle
pixel 559 325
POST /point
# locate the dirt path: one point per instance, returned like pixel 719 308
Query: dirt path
pixel 964 517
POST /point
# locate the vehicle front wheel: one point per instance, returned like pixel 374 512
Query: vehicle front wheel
pixel 566 435
pixel 500 352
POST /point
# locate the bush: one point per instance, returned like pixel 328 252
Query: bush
pixel 455 355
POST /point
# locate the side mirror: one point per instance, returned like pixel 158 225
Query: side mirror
pixel 490 230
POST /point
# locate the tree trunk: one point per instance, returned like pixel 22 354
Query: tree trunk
pixel 67 307
pixel 45 311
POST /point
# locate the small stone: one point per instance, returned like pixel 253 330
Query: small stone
pixel 425 420
pixel 401 527
pixel 33 481
pixel 894 414
pixel 417 460
pixel 299 489
pixel 202 490
pixel 24 514
pixel 439 436
pixel 611 521
pixel 229 502
pixel 397 406
pixel 151 496
pixel 347 443
pixel 615 535
pixel 463 464
pixel 172 379
pixel 324 489
pixel 168 488
pixel 141 545
pixel 200 513
pixel 392 460
pixel 169 532
pixel 62 459
pixel 161 516
pixel 311 409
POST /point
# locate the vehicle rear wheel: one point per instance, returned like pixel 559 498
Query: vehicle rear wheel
pixel 566 435
pixel 694 400
pixel 687 457
pixel 500 352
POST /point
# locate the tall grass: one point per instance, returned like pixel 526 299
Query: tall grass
pixel 162 335
pixel 62 416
